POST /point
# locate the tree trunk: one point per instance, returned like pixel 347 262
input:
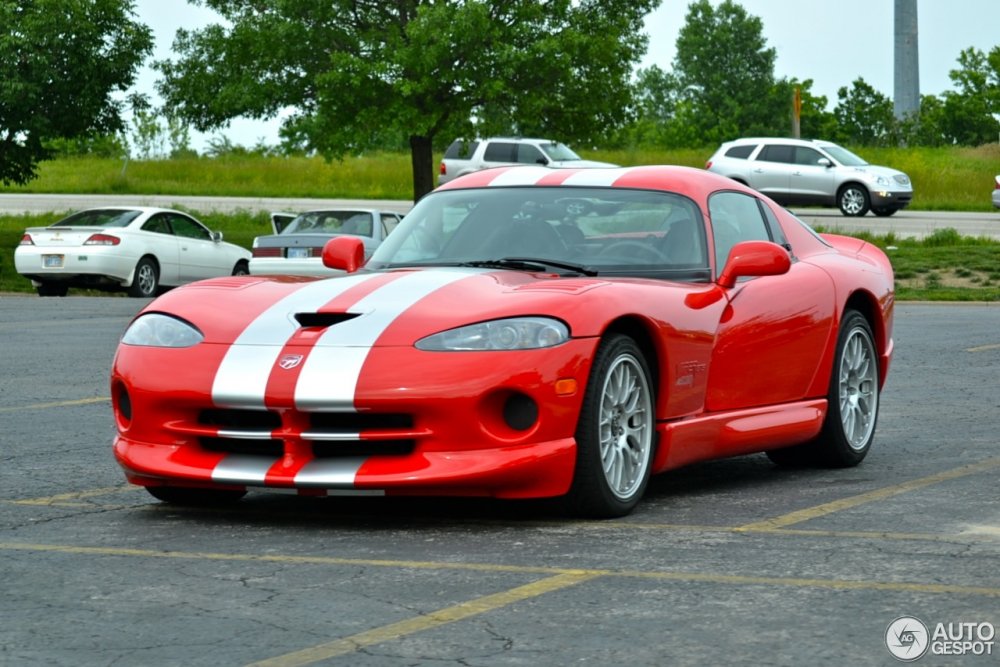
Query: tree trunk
pixel 422 163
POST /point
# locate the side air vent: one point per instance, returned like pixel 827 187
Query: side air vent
pixel 323 320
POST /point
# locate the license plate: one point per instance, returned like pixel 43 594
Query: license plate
pixel 298 253
pixel 52 261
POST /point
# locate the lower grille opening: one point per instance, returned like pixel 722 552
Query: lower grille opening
pixel 240 420
pixel 272 448
pixel 329 449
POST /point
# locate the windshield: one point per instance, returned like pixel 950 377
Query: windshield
pixel 844 156
pixel 99 218
pixel 559 152
pixel 599 230
pixel 358 223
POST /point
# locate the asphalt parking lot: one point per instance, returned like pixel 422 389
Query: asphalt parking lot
pixel 726 563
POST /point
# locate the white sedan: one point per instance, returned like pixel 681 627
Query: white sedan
pixel 138 249
pixel 296 246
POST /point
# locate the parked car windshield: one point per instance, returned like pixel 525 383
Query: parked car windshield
pixel 844 156
pixel 99 218
pixel 358 223
pixel 603 230
pixel 559 152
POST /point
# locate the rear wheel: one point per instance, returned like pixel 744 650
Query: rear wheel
pixel 853 200
pixel 615 434
pixel 853 400
pixel 52 289
pixel 146 279
pixel 179 495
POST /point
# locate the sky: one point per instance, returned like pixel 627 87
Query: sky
pixel 832 42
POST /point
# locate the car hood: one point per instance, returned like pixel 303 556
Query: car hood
pixel 875 171
pixel 391 308
pixel 580 164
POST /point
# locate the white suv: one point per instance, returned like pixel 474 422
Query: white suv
pixel 464 157
pixel 801 172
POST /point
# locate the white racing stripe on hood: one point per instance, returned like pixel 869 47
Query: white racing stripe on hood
pixel 242 376
pixel 521 176
pixel 330 373
pixel 595 177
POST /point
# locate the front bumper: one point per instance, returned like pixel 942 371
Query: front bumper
pixel 890 199
pixel 419 423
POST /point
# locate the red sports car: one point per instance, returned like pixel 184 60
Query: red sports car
pixel 524 333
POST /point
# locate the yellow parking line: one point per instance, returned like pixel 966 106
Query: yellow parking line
pixel 879 494
pixel 57 404
pixel 68 498
pixel 984 348
pixel 429 621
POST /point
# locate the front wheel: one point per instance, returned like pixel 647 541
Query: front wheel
pixel 852 403
pixel 884 211
pixel 242 268
pixel 615 434
pixel 853 200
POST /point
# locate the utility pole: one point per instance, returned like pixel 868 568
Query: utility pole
pixel 906 95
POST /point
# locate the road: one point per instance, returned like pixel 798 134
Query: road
pixel 732 562
pixel 917 224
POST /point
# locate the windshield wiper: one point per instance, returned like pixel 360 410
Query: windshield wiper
pixel 531 264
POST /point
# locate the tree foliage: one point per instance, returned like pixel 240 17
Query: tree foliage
pixel 357 75
pixel 61 64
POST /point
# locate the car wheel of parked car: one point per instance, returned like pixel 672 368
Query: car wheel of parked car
pixel 853 200
pixel 242 268
pixel 196 497
pixel 146 280
pixel 852 403
pixel 883 211
pixel 52 289
pixel 616 432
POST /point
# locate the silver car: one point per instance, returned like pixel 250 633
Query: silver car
pixel 464 157
pixel 812 172
pixel 296 247
pixel 996 191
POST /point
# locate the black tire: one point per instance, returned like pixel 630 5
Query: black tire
pixel 852 403
pixel 242 268
pixel 179 495
pixel 853 200
pixel 618 424
pixel 52 289
pixel 145 280
pixel 884 211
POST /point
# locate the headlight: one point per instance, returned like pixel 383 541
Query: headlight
pixel 519 333
pixel 157 330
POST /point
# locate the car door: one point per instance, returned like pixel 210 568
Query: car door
pixel 775 329
pixel 770 172
pixel 810 180
pixel 200 256
pixel 158 240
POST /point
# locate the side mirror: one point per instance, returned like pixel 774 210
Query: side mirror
pixel 754 258
pixel 824 162
pixel 346 253
pixel 217 237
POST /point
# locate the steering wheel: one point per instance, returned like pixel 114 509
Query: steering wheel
pixel 627 246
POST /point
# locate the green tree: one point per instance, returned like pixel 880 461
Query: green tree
pixel 722 66
pixel 865 116
pixel 61 64
pixel 969 115
pixel 359 75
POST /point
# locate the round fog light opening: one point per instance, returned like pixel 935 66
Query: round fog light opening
pixel 520 412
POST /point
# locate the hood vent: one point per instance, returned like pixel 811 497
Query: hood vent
pixel 323 320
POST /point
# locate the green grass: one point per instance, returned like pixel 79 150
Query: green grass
pixel 954 178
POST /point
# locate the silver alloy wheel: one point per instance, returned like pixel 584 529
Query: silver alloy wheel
pixel 626 426
pixel 852 201
pixel 858 389
pixel 146 278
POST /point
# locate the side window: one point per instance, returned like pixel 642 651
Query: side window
pixel 528 154
pixel 741 152
pixel 777 153
pixel 735 217
pixel 807 156
pixel 500 151
pixel 188 228
pixel 389 223
pixel 158 224
pixel 461 150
